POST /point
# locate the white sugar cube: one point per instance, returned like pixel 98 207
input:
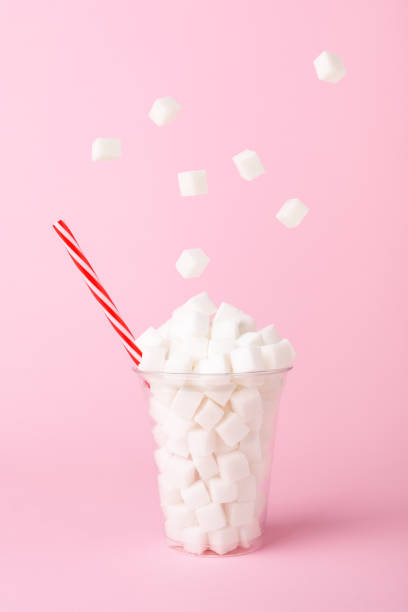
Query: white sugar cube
pixel 250 339
pixel 193 182
pixel 221 448
pixel 222 330
pixel 185 324
pixel 221 346
pixel 224 540
pixel 329 67
pixel 232 429
pixel 168 493
pixel 270 335
pixel 195 540
pixel 164 329
pixel 246 489
pixel 279 355
pixel 206 466
pixel 219 364
pixel 211 517
pixel 233 466
pixel 192 263
pixel 164 110
pixel 251 446
pixel 180 471
pixel 157 410
pixel 186 402
pixel 162 458
pixel 208 415
pixel 240 513
pixel 179 362
pixel 227 311
pixel 153 359
pixel 202 303
pixel 246 324
pixel 247 359
pixel 222 491
pixel 220 394
pixel 159 435
pixel 178 446
pixel 248 164
pixel 181 515
pixel 162 392
pixel 203 367
pixel 201 443
pixel 106 149
pixel 246 402
pixel 196 495
pixel 175 426
pixel 292 213
pixel 249 533
pixel 196 347
pixel 150 337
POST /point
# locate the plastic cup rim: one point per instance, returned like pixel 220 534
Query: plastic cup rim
pixel 193 375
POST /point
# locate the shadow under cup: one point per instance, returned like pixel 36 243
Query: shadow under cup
pixel 214 435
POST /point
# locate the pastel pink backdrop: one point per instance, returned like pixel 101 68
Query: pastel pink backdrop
pixel 80 526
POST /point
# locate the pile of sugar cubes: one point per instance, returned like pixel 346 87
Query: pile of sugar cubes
pixel 213 434
pixel 201 338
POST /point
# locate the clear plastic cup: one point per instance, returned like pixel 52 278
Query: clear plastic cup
pixel 225 517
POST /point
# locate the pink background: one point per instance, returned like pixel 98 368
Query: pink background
pixel 80 527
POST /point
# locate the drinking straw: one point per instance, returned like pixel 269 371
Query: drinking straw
pixel 97 290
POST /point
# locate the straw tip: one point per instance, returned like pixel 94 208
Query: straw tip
pixel 58 225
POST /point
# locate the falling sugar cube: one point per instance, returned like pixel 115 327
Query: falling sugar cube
pixel 106 149
pixel 329 67
pixel 248 164
pixel 292 213
pixel 192 263
pixel 164 110
pixel 193 182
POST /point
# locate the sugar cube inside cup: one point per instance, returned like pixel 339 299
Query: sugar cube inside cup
pixel 223 540
pixel 195 540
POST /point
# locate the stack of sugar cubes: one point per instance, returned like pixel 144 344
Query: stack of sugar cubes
pixel 213 432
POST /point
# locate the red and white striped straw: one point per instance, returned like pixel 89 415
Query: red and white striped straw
pixel 97 290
